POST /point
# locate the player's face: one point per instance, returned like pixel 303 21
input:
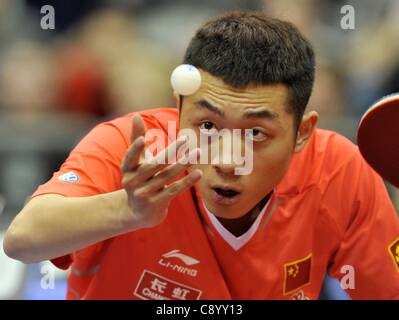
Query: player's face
pixel 217 106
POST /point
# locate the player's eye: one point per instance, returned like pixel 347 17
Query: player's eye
pixel 255 134
pixel 208 128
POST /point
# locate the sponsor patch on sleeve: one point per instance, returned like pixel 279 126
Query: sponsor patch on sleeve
pixel 70 177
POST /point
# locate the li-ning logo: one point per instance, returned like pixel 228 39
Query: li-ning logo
pixel 187 260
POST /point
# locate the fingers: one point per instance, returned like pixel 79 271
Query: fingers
pixel 151 179
pixel 164 155
pixel 178 187
pixel 150 166
pixel 135 150
pixel 133 154
pixel 138 128
pixel 163 177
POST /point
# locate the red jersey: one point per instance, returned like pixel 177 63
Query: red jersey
pixel 331 213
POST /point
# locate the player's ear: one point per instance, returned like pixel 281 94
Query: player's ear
pixel 306 127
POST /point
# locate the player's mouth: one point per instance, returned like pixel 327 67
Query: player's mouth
pixel 225 196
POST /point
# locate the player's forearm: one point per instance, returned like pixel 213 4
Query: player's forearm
pixel 50 226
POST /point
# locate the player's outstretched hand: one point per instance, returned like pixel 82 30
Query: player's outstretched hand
pixel 146 182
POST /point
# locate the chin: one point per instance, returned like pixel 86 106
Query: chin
pixel 226 212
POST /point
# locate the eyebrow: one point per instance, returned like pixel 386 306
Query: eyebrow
pixel 203 104
pixel 260 114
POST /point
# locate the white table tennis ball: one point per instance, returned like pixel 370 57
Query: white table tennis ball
pixel 185 79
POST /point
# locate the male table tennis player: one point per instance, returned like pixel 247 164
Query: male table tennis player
pixel 131 229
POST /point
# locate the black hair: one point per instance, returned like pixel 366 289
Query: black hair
pixel 250 48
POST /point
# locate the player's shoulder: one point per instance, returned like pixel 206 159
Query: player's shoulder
pixel 159 115
pixel 330 154
pixel 327 155
pixel 115 133
pixel 153 118
pixel 332 147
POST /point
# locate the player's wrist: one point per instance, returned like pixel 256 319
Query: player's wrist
pixel 127 220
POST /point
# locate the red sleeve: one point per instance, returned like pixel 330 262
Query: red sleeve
pixel 370 238
pixel 93 167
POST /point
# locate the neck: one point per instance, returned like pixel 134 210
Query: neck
pixel 242 224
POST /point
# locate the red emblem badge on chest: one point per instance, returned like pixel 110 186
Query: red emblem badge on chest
pixel 297 274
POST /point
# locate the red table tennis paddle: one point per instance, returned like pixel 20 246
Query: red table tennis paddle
pixel 378 137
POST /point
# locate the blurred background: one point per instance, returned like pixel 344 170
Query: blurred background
pixel 110 57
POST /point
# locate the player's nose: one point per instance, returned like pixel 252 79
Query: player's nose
pixel 225 169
